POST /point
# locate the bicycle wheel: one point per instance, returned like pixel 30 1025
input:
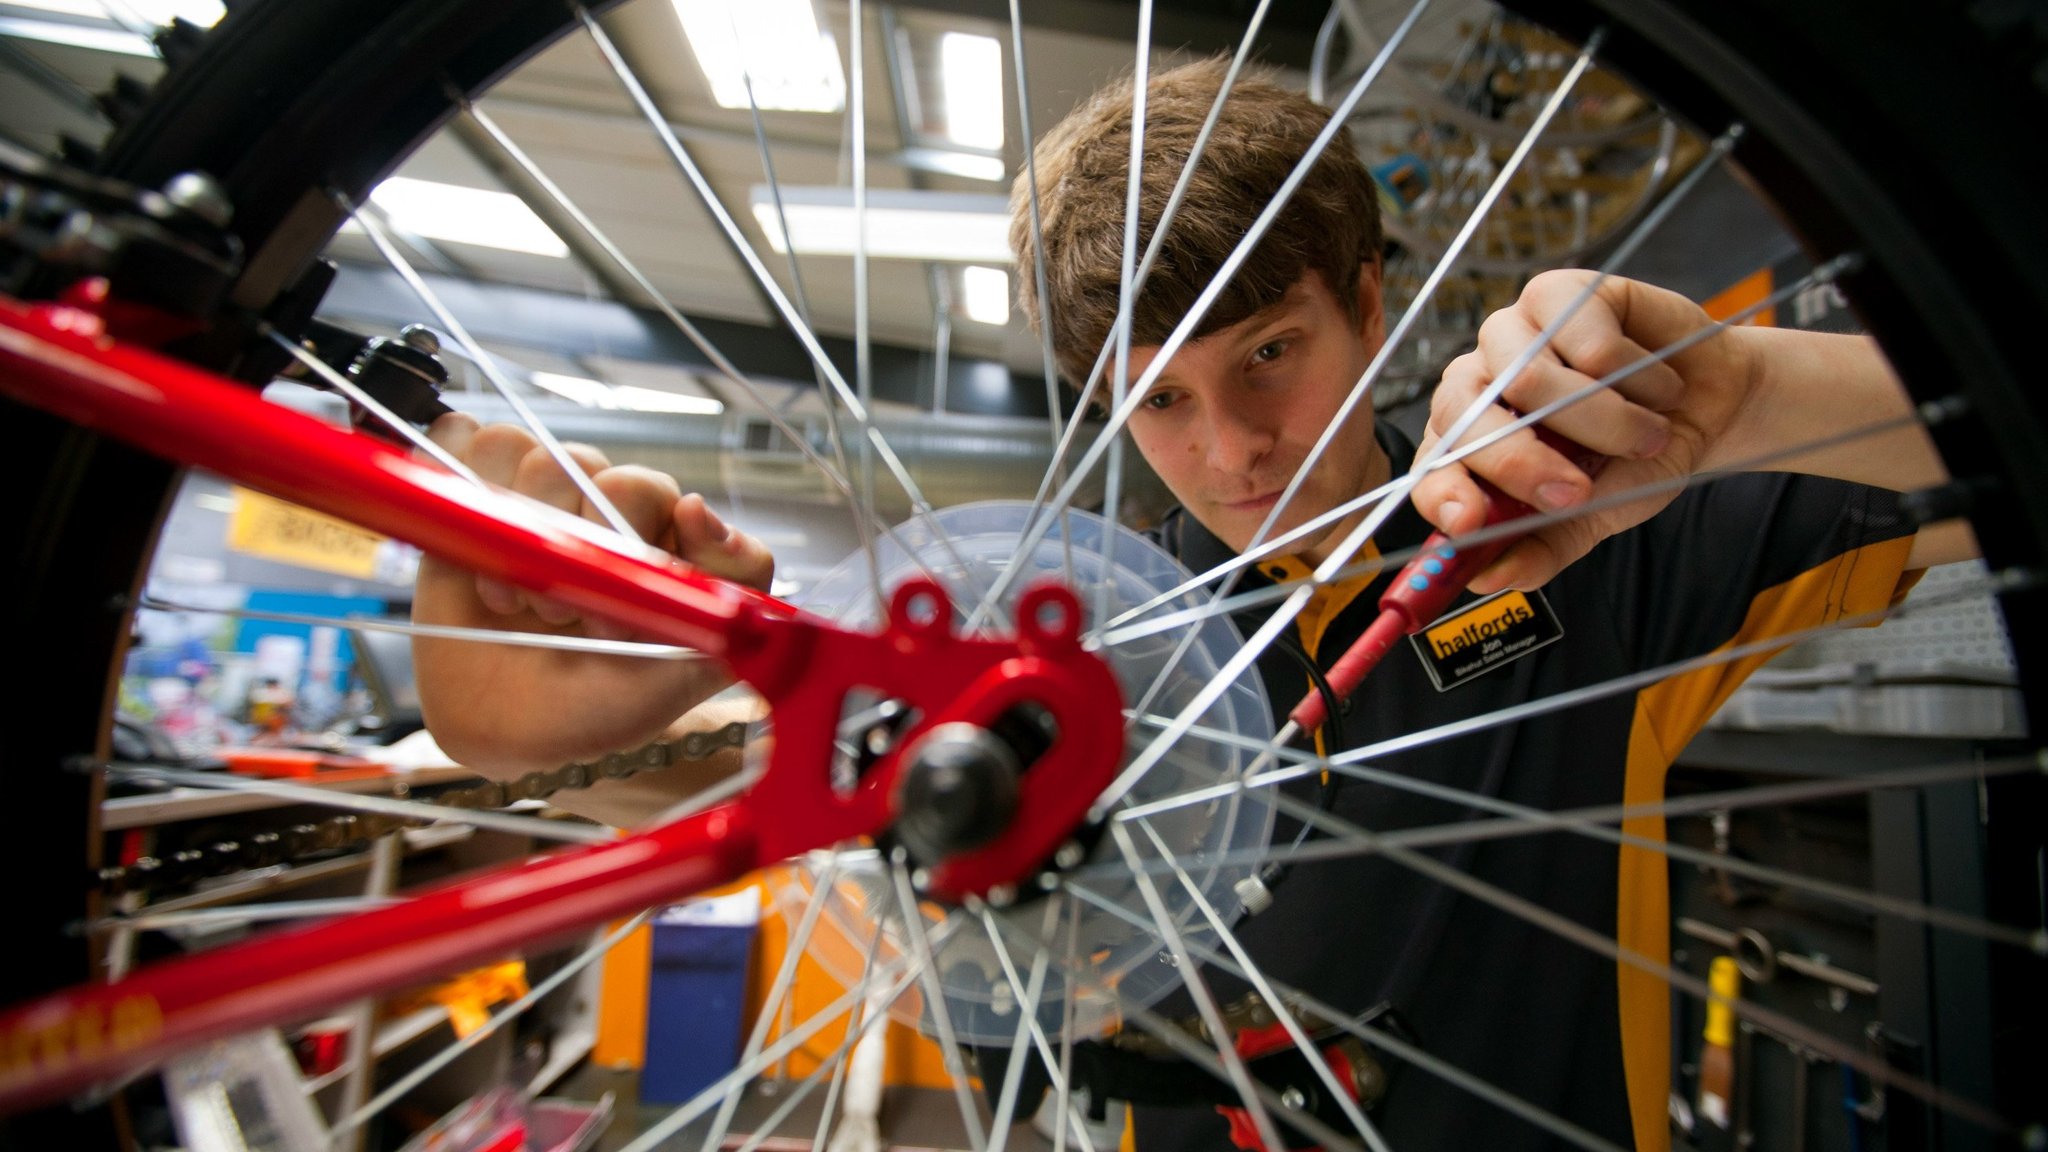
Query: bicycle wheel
pixel 1950 276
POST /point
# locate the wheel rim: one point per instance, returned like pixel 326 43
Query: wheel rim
pixel 1911 351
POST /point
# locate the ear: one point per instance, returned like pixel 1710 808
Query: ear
pixel 1372 316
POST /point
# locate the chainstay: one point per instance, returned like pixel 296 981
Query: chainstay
pixel 184 867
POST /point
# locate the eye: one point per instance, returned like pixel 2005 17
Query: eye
pixel 1269 352
pixel 1160 400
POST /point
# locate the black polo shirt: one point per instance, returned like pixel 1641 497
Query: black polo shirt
pixel 1566 1029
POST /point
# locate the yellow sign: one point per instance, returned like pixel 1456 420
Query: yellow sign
pixel 275 530
pixel 1483 623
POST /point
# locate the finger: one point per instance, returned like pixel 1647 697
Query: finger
pixel 644 497
pixel 1600 337
pixel 704 540
pixel 1528 565
pixel 1520 465
pixel 499 597
pixel 541 477
pixel 1608 421
pixel 496 450
pixel 453 431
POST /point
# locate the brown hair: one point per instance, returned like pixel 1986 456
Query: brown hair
pixel 1329 226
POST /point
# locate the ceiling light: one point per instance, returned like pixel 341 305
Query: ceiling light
pixel 775 45
pixel 98 37
pixel 466 216
pixel 204 13
pixel 640 399
pixel 584 391
pixel 88 24
pixel 902 224
pixel 985 294
pixel 973 70
pixel 629 397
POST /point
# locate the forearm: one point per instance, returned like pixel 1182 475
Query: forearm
pixel 1827 404
pixel 1825 390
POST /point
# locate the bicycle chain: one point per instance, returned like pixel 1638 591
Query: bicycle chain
pixel 187 866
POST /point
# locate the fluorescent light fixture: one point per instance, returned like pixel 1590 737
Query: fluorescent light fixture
pixel 205 13
pixel 90 24
pixel 628 397
pixel 985 294
pixel 774 44
pixel 639 399
pixel 465 216
pixel 96 37
pixel 972 68
pixel 949 162
pixel 584 391
pixel 902 224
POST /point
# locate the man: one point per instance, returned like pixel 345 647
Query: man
pixel 1227 424
pixel 1233 417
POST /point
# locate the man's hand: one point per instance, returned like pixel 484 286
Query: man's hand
pixel 1733 398
pixel 1658 423
pixel 504 709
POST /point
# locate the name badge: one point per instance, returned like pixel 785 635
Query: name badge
pixel 1485 635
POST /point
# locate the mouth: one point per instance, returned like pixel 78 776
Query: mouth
pixel 1256 503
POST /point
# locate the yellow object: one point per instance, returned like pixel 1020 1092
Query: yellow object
pixel 1726 982
pixel 469 996
pixel 275 530
pixel 622 1001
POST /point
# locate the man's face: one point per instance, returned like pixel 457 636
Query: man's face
pixel 1231 419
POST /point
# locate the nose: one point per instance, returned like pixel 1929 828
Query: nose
pixel 1240 436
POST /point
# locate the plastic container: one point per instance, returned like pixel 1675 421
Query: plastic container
pixel 697 994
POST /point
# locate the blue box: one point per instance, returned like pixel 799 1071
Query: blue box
pixel 697 995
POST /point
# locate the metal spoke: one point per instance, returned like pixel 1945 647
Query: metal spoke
pixel 1927 415
pixel 1119 378
pixel 1026 995
pixel 866 522
pixel 499 1019
pixel 1500 828
pixel 1995 583
pixel 488 366
pixel 694 175
pixel 440 631
pixel 1595 827
pixel 1195 1051
pixel 1058 1067
pixel 1184 331
pixel 1381 357
pixel 857 1019
pixel 246 914
pixel 150 774
pixel 1198 991
pixel 1377 1037
pixel 788 1042
pixel 1569 930
pixel 1257 979
pixel 1824 274
pixel 785 979
pixel 935 1000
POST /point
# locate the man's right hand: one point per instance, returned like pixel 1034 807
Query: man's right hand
pixel 505 709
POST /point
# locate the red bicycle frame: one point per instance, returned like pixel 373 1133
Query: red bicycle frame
pixel 62 358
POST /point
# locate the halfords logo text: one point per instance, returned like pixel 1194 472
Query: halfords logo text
pixel 1495 619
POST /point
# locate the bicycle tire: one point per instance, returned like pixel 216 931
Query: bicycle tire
pixel 271 106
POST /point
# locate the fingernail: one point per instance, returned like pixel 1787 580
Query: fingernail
pixel 1653 443
pixel 720 530
pixel 1557 494
pixel 1448 514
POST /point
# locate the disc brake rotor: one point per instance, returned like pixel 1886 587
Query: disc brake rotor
pixel 1095 958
